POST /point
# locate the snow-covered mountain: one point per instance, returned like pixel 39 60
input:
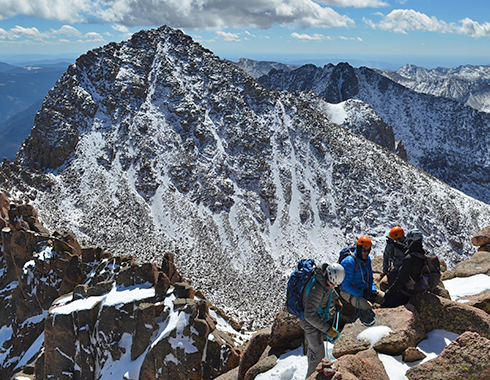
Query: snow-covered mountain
pixel 155 145
pixel 468 84
pixel 443 137
pixel 258 68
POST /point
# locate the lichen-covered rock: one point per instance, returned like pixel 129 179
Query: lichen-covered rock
pixel 480 301
pixel 412 354
pixel 365 365
pixel 465 358
pixel 444 314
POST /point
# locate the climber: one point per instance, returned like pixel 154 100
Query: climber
pixel 393 256
pixel 409 280
pixel 358 287
pixel 321 305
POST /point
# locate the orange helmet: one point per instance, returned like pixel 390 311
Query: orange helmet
pixel 396 232
pixel 365 241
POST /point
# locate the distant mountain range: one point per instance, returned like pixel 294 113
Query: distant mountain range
pixel 469 85
pixel 155 145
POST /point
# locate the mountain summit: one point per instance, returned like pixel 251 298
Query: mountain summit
pixel 156 145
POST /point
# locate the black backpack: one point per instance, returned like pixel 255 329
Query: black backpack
pixel 430 275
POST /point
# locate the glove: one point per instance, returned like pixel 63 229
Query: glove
pixel 332 333
pixel 338 304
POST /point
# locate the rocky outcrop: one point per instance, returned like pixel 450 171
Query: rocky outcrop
pixel 478 264
pixel 398 331
pixel 77 312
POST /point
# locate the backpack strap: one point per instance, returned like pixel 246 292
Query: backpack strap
pixel 309 284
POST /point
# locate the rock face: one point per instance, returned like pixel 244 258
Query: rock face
pixel 183 152
pixel 80 312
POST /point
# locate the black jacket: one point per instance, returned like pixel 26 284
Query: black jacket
pixel 410 270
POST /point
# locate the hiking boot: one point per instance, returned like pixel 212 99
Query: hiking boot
pixel 367 317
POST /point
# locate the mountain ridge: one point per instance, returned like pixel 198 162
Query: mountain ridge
pixel 442 136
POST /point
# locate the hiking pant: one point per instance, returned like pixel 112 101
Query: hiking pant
pixel 363 303
pixel 396 299
pixel 316 346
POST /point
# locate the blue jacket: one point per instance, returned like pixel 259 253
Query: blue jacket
pixel 356 282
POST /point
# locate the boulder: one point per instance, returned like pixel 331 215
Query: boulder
pixel 364 365
pixel 254 350
pixel 480 301
pixel 412 354
pixel 481 237
pixel 465 358
pixel 4 210
pixel 441 313
pixel 478 264
pixel 403 329
pixel 286 333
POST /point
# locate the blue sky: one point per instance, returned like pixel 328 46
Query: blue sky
pixel 427 33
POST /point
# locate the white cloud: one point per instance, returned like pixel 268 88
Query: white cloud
pixel 193 14
pixel 23 35
pixel 228 36
pixel 473 28
pixel 92 36
pixel 120 28
pixel 67 30
pixel 31 33
pixel 307 37
pixel 404 20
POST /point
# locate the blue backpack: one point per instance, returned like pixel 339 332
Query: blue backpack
pixel 298 284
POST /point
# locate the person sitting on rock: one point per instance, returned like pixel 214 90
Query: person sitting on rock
pixel 358 287
pixel 409 272
pixel 320 304
pixel 393 256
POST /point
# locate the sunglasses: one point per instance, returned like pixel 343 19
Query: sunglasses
pixel 365 249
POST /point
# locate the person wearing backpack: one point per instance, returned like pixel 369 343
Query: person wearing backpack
pixel 321 302
pixel 358 287
pixel 393 256
pixel 409 280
